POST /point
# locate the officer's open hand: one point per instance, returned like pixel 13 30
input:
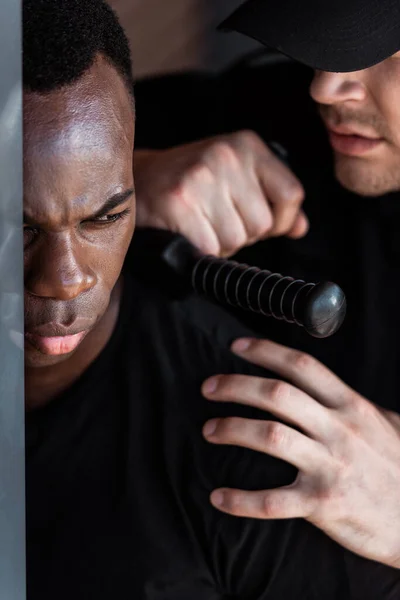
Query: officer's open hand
pixel 221 193
pixel 347 452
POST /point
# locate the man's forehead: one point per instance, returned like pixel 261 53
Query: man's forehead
pixel 78 144
pixel 58 129
pixel 96 107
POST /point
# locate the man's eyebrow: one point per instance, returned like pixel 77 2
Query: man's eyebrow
pixel 113 202
pixel 110 204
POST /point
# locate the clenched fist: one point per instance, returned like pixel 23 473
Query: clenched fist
pixel 222 193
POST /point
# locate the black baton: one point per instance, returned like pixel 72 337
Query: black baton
pixel 318 307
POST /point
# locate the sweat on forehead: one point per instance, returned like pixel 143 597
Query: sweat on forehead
pixel 84 113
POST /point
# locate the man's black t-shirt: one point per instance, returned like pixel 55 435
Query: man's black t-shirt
pixel 118 474
pixel 118 479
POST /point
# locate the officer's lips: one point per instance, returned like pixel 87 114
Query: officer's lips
pixel 55 339
pixel 351 142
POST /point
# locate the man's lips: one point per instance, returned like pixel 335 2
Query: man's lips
pixel 55 345
pixel 55 339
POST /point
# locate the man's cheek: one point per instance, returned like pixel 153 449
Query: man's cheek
pixel 125 240
pixel 113 258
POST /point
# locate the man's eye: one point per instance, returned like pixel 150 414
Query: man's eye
pixel 105 219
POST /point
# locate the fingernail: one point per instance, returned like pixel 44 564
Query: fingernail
pixel 210 427
pixel 210 385
pixel 217 498
pixel 241 345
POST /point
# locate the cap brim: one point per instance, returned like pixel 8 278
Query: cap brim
pixel 330 36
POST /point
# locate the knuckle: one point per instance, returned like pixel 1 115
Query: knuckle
pixel 277 390
pixel 312 505
pixel 331 503
pixel 274 434
pixel 362 406
pixel 323 499
pixel 223 151
pixel 207 244
pixel 271 506
pixel 292 192
pixel 300 361
pixel 185 191
pixel 342 466
pixel 261 227
pixel 236 239
pixel 178 196
pixel 360 412
pixel 247 137
pixel 199 173
pixel 201 237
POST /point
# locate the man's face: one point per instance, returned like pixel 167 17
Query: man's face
pixel 362 113
pixel 79 208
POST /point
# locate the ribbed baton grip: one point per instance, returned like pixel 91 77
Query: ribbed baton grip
pixel 320 308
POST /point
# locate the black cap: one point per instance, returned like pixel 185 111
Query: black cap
pixel 330 35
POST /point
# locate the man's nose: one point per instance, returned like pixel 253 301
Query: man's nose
pixel 57 272
pixel 336 88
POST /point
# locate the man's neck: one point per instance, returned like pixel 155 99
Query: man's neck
pixel 44 384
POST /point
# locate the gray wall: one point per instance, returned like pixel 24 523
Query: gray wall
pixel 12 493
pixel 174 35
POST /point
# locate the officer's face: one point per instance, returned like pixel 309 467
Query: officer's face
pixel 79 209
pixel 362 113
